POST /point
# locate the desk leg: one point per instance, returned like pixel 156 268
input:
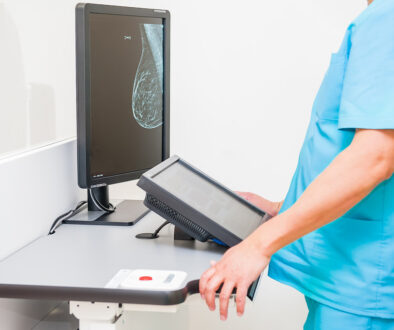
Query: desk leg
pixel 110 316
pixel 98 316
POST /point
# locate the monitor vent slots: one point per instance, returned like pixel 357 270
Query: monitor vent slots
pixel 176 218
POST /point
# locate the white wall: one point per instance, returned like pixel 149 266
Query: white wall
pixel 37 94
pixel 36 187
pixel 244 75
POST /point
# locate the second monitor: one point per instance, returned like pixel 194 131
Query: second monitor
pixel 122 101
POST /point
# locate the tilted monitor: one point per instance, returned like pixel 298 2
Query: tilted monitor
pixel 199 205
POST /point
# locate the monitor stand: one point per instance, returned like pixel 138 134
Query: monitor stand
pixel 127 212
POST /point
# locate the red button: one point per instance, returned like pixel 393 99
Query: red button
pixel 145 278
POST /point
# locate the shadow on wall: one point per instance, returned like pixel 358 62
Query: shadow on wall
pixel 13 93
pixel 42 114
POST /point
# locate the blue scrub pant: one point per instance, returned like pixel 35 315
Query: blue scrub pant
pixel 322 317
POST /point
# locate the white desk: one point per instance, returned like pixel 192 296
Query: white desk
pixel 76 263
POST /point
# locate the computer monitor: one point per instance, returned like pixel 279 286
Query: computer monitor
pixel 123 97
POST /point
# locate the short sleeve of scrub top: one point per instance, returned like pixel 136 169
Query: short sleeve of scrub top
pixel 349 263
pixel 368 88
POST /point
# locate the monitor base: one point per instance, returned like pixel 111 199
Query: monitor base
pixel 180 235
pixel 127 213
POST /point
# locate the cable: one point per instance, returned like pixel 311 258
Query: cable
pixel 157 231
pixel 100 206
pixel 64 216
pixel 70 213
pixel 154 234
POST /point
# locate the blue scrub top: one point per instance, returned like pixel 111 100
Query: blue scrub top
pixel 349 264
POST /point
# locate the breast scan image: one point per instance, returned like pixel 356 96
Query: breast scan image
pixel 147 100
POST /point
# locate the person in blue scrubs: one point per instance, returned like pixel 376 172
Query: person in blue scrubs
pixel 332 238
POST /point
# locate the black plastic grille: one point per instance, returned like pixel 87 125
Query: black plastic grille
pixel 177 219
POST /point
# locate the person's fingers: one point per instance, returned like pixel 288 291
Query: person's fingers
pixel 240 298
pixel 213 263
pixel 210 291
pixel 243 194
pixel 204 279
pixel 224 298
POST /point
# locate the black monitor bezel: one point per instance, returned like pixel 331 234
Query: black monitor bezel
pixel 82 12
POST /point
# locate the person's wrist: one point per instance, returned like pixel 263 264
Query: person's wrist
pixel 261 244
pixel 269 236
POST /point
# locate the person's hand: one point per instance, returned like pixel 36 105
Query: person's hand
pixel 271 208
pixel 238 268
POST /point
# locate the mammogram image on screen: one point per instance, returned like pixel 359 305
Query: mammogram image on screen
pixel 126 93
pixel 147 100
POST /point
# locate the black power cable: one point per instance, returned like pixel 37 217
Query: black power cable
pixel 64 216
pixel 70 213
pixel 100 206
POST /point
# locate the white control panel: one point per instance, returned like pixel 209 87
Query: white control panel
pixel 148 279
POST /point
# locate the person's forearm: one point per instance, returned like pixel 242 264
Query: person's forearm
pixel 344 183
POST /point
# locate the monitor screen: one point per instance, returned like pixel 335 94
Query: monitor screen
pixel 126 93
pixel 213 202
